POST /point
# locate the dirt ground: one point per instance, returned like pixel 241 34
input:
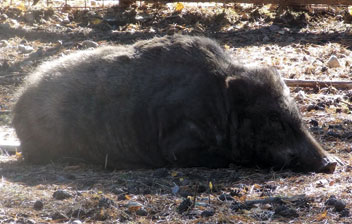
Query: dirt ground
pixel 303 43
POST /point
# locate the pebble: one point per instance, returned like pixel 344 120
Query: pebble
pixel 105 203
pixel 245 16
pixel 66 20
pixel 38 205
pixel 151 30
pixel 29 17
pixel 134 206
pixel 3 17
pixel 76 222
pixel 300 95
pixel 285 211
pixel 184 206
pixel 58 215
pixel 4 43
pixel 25 49
pixel 14 23
pixel 324 69
pixel 225 197
pixel 207 213
pixel 345 213
pixel 89 43
pixel 141 212
pixel 30 221
pixel 339 205
pixel 202 204
pixel 333 62
pixel 139 18
pixel 61 195
pixel 314 123
pixel 333 133
pixel 121 197
pixel 311 107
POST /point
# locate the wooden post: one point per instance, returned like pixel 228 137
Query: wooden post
pixel 318 83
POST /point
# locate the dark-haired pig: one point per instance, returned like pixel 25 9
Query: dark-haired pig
pixel 175 101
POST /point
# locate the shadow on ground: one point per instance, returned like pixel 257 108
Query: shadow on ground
pixel 156 181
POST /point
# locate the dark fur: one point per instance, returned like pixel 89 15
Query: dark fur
pixel 172 101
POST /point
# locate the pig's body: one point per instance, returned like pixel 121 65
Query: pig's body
pixel 172 101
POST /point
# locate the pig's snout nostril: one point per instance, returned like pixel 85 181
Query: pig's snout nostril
pixel 328 167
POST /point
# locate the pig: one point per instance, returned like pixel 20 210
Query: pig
pixel 172 101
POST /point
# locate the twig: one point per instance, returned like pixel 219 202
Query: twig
pixel 318 83
pixel 273 200
pixel 195 195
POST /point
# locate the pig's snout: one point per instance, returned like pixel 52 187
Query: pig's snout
pixel 315 158
pixel 328 166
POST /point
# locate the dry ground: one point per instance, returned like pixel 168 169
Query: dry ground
pixel 299 42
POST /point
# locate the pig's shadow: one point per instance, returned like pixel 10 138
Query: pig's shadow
pixel 153 181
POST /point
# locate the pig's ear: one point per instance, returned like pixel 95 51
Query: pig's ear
pixel 238 91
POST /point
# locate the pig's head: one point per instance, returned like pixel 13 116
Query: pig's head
pixel 266 127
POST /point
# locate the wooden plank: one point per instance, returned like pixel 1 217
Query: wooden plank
pixel 279 2
pixel 317 83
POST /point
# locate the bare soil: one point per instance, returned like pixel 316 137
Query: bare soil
pixel 297 41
